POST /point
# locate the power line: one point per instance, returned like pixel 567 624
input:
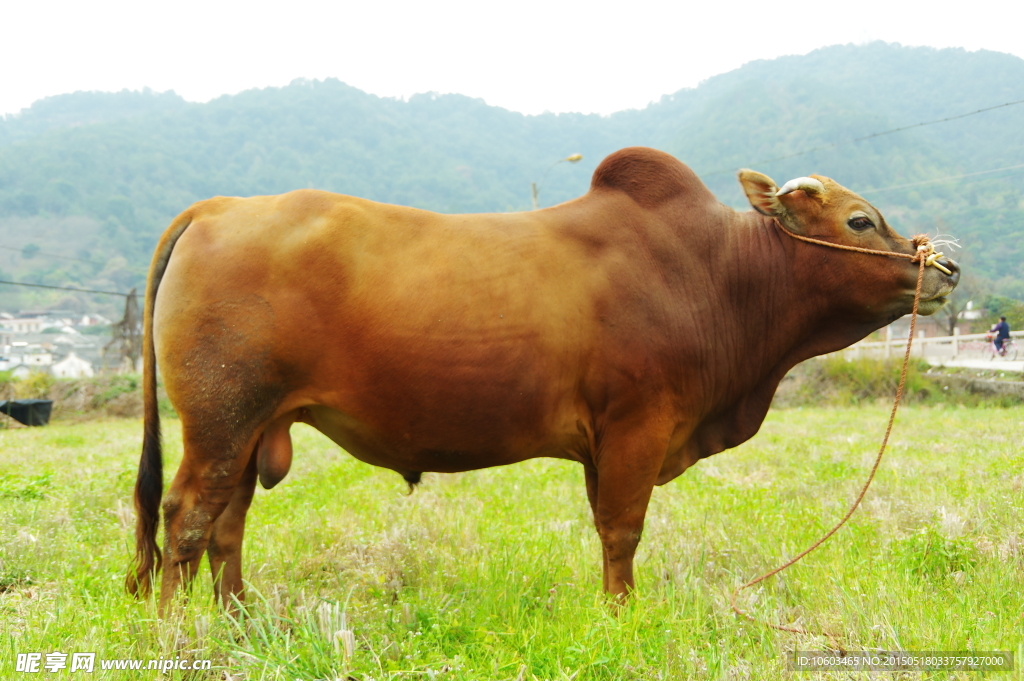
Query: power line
pixel 49 255
pixel 867 137
pixel 941 179
pixel 66 288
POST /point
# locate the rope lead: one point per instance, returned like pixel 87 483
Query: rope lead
pixel 925 256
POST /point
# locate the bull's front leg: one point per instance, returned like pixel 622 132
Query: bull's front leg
pixel 627 464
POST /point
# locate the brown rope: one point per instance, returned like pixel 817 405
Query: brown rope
pixel 925 256
pixel 919 240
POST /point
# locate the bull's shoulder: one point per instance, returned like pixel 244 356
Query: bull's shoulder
pixel 650 177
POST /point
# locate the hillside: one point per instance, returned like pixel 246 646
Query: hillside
pixel 95 177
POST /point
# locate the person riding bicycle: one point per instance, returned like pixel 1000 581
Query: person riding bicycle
pixel 1002 331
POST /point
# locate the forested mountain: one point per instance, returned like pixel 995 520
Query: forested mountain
pixel 95 177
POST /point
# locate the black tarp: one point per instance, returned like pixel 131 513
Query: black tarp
pixel 29 412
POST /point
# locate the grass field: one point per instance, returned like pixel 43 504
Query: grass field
pixel 496 574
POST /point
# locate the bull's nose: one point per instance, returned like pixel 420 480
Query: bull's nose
pixel 953 267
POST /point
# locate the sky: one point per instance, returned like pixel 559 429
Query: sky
pixel 529 56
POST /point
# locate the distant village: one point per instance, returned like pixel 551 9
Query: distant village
pixel 58 342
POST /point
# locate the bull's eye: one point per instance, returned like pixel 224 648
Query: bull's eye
pixel 860 223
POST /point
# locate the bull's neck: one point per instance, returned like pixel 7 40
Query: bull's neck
pixel 773 312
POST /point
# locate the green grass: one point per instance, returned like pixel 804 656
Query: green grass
pixel 496 574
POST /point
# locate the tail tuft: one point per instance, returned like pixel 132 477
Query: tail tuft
pixel 148 490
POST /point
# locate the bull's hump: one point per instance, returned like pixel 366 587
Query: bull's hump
pixel 650 177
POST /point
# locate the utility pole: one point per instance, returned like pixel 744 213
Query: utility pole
pixel 127 336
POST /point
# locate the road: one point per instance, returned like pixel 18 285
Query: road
pixel 988 365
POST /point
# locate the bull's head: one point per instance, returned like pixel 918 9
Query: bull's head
pixel 820 208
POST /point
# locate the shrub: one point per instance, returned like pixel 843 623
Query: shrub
pixel 24 489
pixel 118 384
pixel 869 379
pixel 13 578
pixel 835 381
pixel 929 553
pixel 35 386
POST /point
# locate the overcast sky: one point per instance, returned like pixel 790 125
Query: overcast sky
pixel 529 56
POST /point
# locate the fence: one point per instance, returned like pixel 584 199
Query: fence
pixel 957 346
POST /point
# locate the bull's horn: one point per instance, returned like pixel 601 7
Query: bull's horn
pixel 808 184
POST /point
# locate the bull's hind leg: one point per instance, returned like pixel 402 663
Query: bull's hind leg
pixel 218 472
pixel 225 547
pixel 591 475
pixel 203 487
pixel 269 462
pixel 219 374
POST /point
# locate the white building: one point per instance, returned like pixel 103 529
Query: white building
pixel 37 359
pixel 33 325
pixel 20 371
pixel 72 366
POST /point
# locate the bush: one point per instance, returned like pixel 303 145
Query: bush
pixel 25 489
pixel 118 384
pixel 929 553
pixel 862 380
pixel 12 578
pixel 835 381
pixel 118 395
pixel 35 386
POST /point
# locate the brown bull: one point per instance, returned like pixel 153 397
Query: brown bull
pixel 636 330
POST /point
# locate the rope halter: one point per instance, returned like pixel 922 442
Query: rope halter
pixel 922 244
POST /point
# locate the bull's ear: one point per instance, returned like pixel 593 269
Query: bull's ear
pixel 761 192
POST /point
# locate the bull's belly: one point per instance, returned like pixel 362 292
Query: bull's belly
pixel 406 452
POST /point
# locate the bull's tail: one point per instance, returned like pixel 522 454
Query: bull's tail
pixel 150 481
